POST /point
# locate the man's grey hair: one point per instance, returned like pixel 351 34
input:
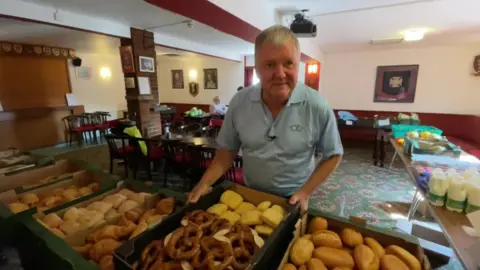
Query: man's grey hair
pixel 276 35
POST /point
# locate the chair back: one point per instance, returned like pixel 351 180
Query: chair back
pixel 117 145
pixel 72 121
pixel 230 174
pixel 200 157
pixel 171 148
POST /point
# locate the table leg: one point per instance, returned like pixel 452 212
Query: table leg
pixel 414 206
pixel 382 147
pixel 375 150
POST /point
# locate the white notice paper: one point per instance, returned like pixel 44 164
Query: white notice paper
pixel 384 122
pixel 349 123
pixel 144 86
pixel 71 100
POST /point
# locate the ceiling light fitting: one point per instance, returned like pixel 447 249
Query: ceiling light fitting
pixel 414 34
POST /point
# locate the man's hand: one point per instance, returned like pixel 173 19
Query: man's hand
pixel 302 198
pixel 198 192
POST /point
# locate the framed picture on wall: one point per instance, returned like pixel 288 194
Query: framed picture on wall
pixel 210 79
pixel 127 59
pixel 177 79
pixel 147 64
pixel 396 84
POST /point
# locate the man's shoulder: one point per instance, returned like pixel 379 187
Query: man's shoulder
pixel 243 95
pixel 313 97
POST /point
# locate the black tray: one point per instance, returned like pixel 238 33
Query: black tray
pixel 127 254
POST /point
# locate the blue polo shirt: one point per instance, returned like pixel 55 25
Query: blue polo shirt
pixel 278 155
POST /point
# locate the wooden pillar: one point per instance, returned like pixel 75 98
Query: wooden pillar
pixel 312 74
pixel 141 105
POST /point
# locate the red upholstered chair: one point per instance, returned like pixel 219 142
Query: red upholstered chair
pixel 75 127
pixel 119 149
pixel 235 173
pixel 155 153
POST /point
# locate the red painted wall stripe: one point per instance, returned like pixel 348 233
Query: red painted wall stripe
pixel 212 15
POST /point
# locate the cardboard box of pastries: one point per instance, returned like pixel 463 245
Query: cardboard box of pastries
pixel 245 224
pixel 72 251
pixel 323 241
pixel 40 176
pixel 81 186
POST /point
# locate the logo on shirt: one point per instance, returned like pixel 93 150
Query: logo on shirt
pixel 296 128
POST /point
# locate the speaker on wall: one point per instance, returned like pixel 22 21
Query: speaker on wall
pixel 76 62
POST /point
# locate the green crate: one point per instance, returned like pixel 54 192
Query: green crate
pixel 399 131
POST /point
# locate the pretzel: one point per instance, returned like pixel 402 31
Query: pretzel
pixel 155 251
pixel 244 248
pixel 218 225
pixel 212 251
pixel 200 218
pixel 237 228
pixel 162 265
pixel 185 242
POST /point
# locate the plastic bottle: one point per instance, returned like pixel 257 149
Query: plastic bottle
pixel 437 188
pixel 473 195
pixel 470 173
pixel 456 194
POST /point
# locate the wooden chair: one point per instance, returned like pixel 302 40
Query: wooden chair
pixel 100 123
pixel 235 173
pixel 155 154
pixel 74 127
pixel 119 149
pixel 200 159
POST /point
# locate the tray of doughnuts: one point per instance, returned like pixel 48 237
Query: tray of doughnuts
pixel 220 231
pixel 322 241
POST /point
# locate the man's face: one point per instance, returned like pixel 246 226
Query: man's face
pixel 277 69
pixel 216 101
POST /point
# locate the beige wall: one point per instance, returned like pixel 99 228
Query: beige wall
pixel 97 93
pixel 445 83
pixel 230 77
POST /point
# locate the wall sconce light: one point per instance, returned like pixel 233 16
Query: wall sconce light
pixel 105 73
pixel 312 68
pixel 192 75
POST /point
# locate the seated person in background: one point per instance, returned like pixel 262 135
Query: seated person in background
pixel 217 107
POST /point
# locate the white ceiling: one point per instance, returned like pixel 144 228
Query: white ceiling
pixel 34 33
pixel 138 13
pixel 350 24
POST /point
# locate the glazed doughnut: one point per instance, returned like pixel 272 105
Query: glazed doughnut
pixel 185 242
pixel 200 218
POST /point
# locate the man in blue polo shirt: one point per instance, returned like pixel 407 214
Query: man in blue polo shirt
pixel 279 124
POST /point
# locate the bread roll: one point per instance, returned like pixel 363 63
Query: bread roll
pixel 17 207
pixel 115 199
pixel 302 267
pixel 374 246
pixel 106 263
pixel 315 264
pixel 289 266
pixel 29 199
pixel 341 268
pixel 84 191
pixel 326 238
pixel 52 220
pixel 72 214
pixel 165 206
pixel 391 262
pixel 365 259
pixel 333 257
pixel 411 261
pixel 70 194
pixel 351 238
pixel 317 224
pixel 301 251
pixel 127 205
pixel 101 207
pixel 307 236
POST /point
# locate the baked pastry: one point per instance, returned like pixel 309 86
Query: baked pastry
pixel 69 227
pixel 365 259
pixel 244 207
pixel 289 266
pixel 58 191
pixel 126 192
pixel 17 207
pixel 139 197
pixel 116 199
pixel 278 208
pixel 102 248
pixel 264 205
pixel 373 244
pixel 341 268
pixel 251 217
pixel 70 194
pixel 146 215
pixel 90 219
pixel 218 209
pixel 391 262
pixel 83 250
pixel 165 206
pixel 272 217
pixel 317 224
pixel 411 261
pixel 127 205
pixel 141 227
pixel 106 263
pixel 232 217
pixel 29 199
pixel 52 220
pixel 111 214
pixel 51 201
pixel 134 214
pixel 302 267
pixel 333 257
pixel 154 219
pixel 264 230
pixel 351 238
pixel 84 191
pixel 101 207
pixel 58 233
pixel 71 214
pixel 315 264
pixel 94 186
pixel 112 232
pixel 326 238
pixel 301 251
pixel 231 199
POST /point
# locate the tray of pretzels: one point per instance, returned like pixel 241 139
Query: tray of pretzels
pixel 220 231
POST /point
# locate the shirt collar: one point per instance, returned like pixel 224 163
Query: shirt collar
pixel 298 94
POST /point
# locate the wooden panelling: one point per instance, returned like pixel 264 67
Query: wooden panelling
pixel 33 82
pixel 33 128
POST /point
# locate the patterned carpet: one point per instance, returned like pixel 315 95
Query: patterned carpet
pixel 357 186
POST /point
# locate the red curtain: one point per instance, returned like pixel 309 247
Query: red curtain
pixel 248 76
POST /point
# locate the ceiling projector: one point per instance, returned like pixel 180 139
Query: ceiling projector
pixel 303 27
